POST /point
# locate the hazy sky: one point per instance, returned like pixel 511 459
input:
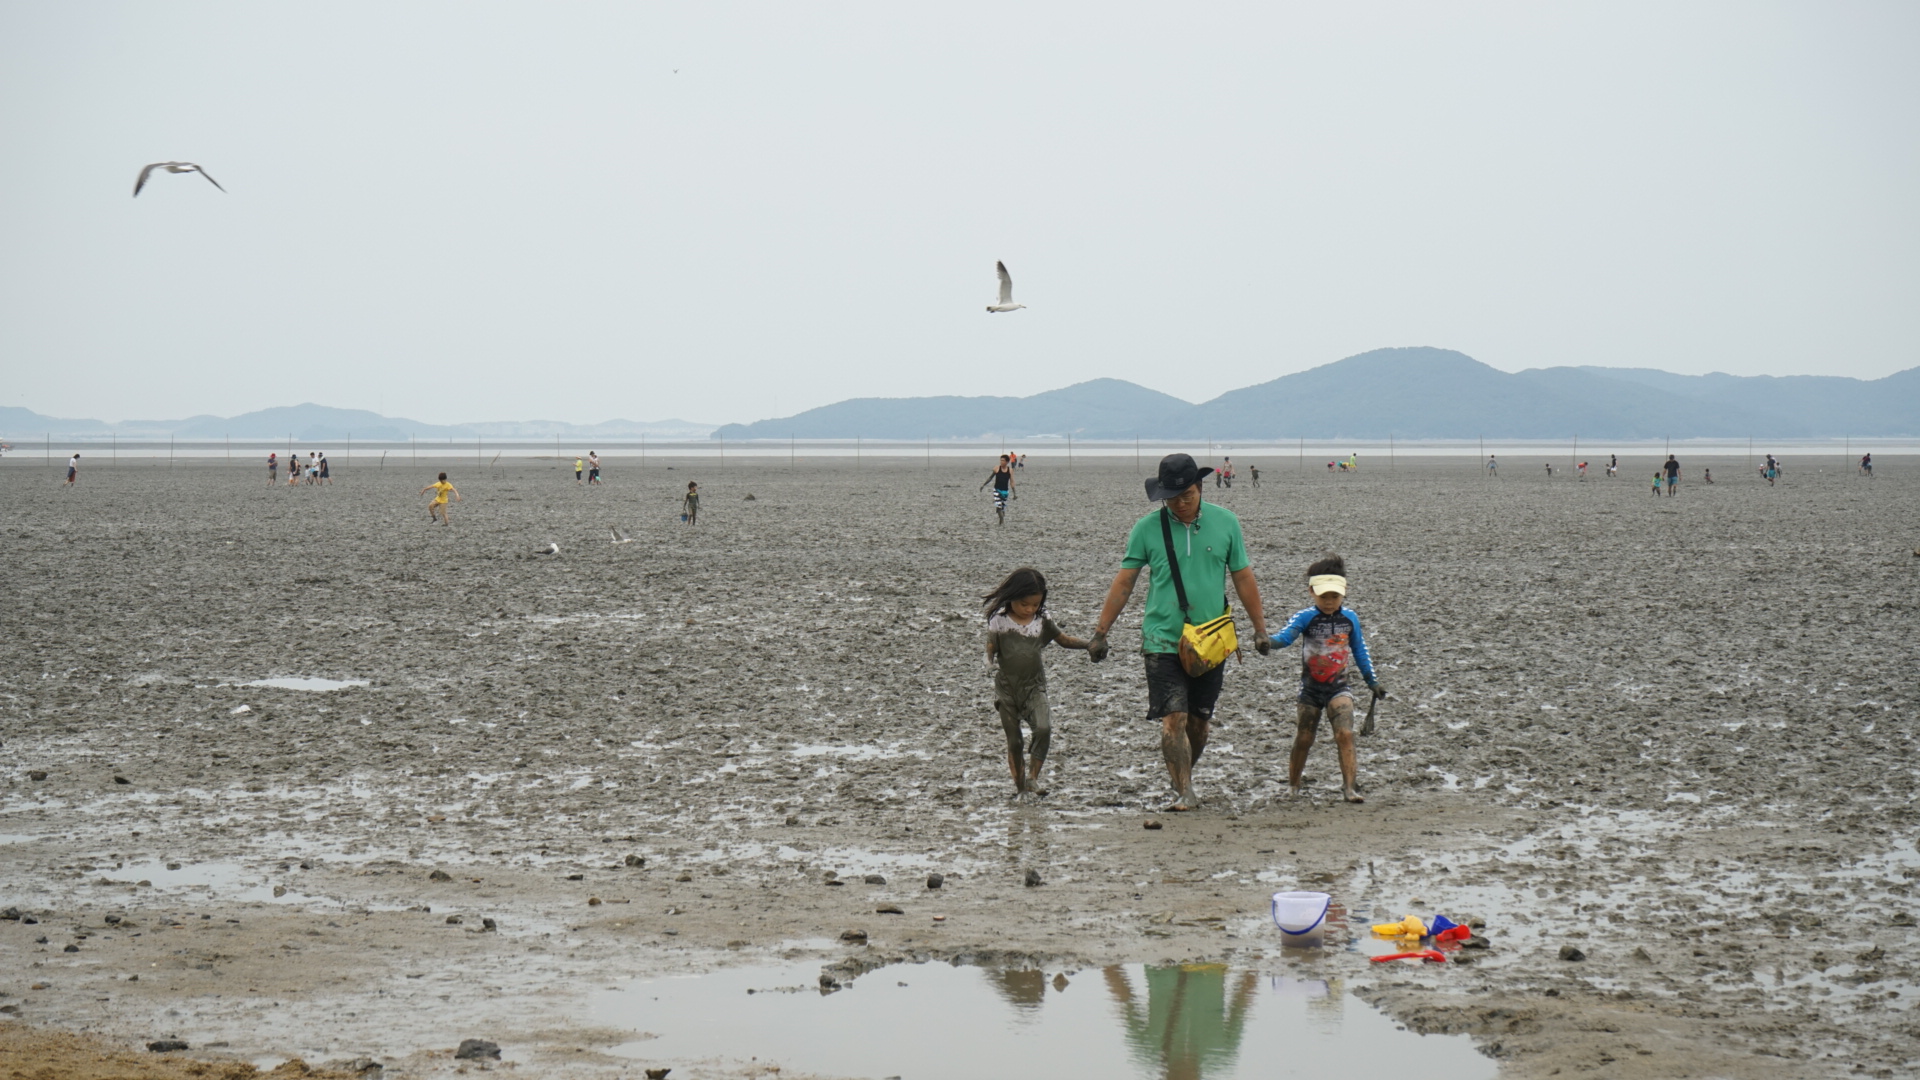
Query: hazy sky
pixel 577 211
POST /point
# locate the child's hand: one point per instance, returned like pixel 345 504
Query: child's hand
pixel 1097 648
pixel 1263 644
pixel 1378 690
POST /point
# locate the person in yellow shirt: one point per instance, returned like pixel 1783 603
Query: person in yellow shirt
pixel 441 489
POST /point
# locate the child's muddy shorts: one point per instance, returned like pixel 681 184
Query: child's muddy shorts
pixel 1171 690
pixel 1321 694
pixel 1339 713
pixel 1028 704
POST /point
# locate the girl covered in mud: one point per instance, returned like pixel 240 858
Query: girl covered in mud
pixel 1017 629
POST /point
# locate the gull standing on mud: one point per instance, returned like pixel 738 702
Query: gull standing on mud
pixel 187 167
pixel 618 536
pixel 1006 289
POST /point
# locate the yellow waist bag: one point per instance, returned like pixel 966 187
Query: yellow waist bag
pixel 1203 647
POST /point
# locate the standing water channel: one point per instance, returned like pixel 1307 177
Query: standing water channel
pixel 933 1020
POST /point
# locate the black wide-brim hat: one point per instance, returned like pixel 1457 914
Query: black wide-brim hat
pixel 1178 472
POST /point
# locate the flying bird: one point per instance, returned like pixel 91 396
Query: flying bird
pixel 172 167
pixel 1006 288
pixel 618 536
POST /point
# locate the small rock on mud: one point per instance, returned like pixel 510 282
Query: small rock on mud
pixel 934 881
pixel 476 1049
pixel 1568 952
pixel 165 1046
pixel 1033 878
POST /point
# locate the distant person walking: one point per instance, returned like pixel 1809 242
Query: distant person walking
pixel 273 469
pixel 1866 465
pixel 1707 475
pixel 1002 480
pixel 1493 466
pixel 1549 470
pixel 1657 474
pixel 593 466
pixel 1189 552
pixel 1221 474
pixel 1673 474
pixel 1613 465
pixel 1583 472
pixel 73 470
pixel 690 506
pixel 579 470
pixel 326 474
pixel 438 508
pixel 1771 470
pixel 1253 475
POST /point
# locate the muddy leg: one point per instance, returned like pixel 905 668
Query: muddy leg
pixel 1340 714
pixel 1179 754
pixel 1306 722
pixel 1016 758
pixel 1041 720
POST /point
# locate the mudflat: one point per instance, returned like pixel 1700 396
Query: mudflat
pixel 1670 736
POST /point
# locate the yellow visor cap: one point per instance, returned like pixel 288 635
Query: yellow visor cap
pixel 1321 584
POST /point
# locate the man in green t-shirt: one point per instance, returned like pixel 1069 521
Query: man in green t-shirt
pixel 1209 549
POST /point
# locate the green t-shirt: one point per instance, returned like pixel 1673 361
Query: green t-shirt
pixel 1209 550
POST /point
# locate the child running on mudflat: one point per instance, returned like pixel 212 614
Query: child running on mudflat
pixel 1330 637
pixel 1657 477
pixel 1017 629
pixel 1002 480
pixel 438 508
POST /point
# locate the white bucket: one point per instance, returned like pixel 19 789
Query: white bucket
pixel 1301 916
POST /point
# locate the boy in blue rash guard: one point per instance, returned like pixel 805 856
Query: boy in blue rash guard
pixel 1330 636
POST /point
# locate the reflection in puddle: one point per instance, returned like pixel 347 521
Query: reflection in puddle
pixel 1187 1021
pixel 308 684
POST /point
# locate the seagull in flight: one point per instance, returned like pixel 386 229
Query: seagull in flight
pixel 618 536
pixel 1006 288
pixel 172 167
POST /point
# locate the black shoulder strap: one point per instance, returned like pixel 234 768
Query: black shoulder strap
pixel 1173 561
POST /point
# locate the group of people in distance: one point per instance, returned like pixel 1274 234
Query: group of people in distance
pixel 1189 550
pixel 591 464
pixel 314 471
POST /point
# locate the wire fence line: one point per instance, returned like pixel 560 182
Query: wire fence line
pixel 49 449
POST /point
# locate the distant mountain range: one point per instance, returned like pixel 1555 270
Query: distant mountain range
pixel 1414 393
pixel 320 423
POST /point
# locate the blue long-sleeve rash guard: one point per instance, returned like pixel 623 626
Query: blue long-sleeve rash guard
pixel 1326 643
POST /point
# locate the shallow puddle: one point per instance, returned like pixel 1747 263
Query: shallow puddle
pixel 937 1020
pixel 219 880
pixel 289 683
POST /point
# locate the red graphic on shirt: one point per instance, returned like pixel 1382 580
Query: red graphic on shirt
pixel 1327 659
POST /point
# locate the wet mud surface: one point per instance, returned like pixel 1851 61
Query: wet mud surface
pixel 1673 734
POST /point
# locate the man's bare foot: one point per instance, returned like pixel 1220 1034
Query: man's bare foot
pixel 1187 801
pixel 1294 791
pixel 1352 796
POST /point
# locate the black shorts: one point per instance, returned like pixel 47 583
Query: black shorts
pixel 1318 694
pixel 1171 690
